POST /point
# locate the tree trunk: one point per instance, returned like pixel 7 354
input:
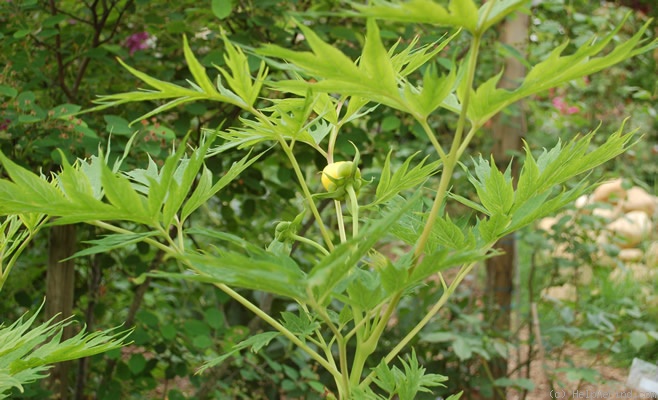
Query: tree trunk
pixel 60 285
pixel 508 130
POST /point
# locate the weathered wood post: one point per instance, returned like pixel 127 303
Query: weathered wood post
pixel 508 130
pixel 60 287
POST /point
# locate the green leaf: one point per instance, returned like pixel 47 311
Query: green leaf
pixel 197 70
pixel 254 342
pixel 638 339
pixel 64 110
pixel 238 75
pixel 462 348
pixel 460 13
pixel 434 92
pixel 70 195
pixel 111 242
pixel 214 317
pixel 205 189
pixel 222 8
pixel 8 91
pixel 557 69
pixel 365 289
pixel 406 382
pixel 493 228
pixel 442 259
pixel 534 196
pixel 394 275
pixel 493 187
pixel 29 119
pixel 164 90
pixel 390 185
pixel 301 325
pixel 466 12
pixel 332 269
pixel 29 188
pixel 520 383
pixel 416 380
pixel 374 78
pixel 575 374
pixel 26 352
pixel 136 363
pixel 438 337
pixel 120 193
pixel 117 125
pixel 445 233
pixel 490 16
pixel 375 63
pixel 256 270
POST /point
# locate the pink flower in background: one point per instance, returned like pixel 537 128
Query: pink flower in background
pixel 139 41
pixel 563 107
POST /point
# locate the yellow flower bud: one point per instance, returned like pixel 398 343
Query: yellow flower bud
pixel 336 171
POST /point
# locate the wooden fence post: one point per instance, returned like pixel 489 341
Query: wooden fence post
pixel 60 287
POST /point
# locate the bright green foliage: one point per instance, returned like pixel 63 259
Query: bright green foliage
pixel 408 382
pixel 27 352
pixel 344 290
pixel 243 94
pixel 556 69
pixel 390 184
pixel 255 343
pixel 377 75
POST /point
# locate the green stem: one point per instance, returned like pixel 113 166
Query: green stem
pixel 334 134
pixel 466 141
pixel 151 241
pixel 344 384
pixel 179 234
pixel 342 377
pixel 449 162
pixel 453 156
pixel 307 193
pixel 370 315
pixel 282 329
pixel 377 332
pixel 240 299
pixel 340 221
pixel 354 210
pixel 426 319
pixel 430 135
pixel 312 243
pixel 363 346
pixel 4 273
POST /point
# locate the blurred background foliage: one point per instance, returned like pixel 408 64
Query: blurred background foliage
pixel 57 56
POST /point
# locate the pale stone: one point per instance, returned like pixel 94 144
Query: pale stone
pixel 609 192
pixel 632 228
pixel 546 224
pixel 638 272
pixel 566 292
pixel 641 272
pixel 582 201
pixel 562 251
pixel 629 255
pixel 651 256
pixel 606 213
pixel 637 199
pixel 603 259
pixel 584 274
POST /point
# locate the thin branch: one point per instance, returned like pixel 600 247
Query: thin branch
pixel 58 58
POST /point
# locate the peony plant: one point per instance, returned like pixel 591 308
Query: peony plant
pixel 343 304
